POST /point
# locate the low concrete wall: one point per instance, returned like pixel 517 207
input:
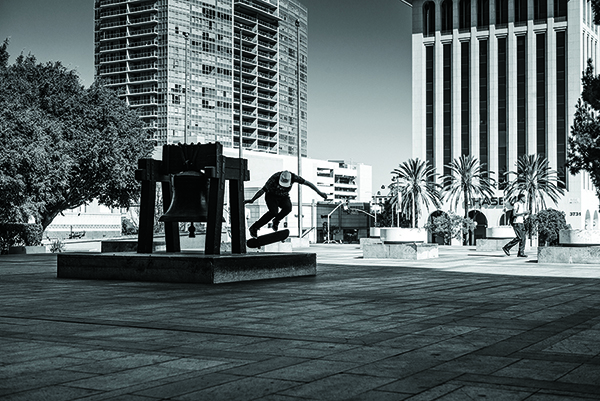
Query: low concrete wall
pixel 364 241
pixel 569 254
pixel 414 251
pixel 491 245
pixel 19 250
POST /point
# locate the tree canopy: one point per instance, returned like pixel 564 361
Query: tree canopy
pixel 584 143
pixel 63 145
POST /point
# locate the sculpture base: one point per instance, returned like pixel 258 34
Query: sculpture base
pixel 568 254
pixel 185 267
pixel 411 251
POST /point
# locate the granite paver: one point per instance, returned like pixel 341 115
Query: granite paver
pixel 466 325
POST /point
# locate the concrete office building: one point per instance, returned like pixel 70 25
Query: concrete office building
pixel 498 79
pixel 180 63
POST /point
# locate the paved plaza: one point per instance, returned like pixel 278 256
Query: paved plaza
pixel 467 325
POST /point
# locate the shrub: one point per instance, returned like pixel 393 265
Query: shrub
pixel 548 224
pixel 57 246
pixel 450 225
pixel 128 227
pixel 19 234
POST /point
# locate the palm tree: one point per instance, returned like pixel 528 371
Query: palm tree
pixel 536 180
pixel 467 180
pixel 416 184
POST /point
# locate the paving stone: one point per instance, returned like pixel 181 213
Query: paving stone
pixel 466 325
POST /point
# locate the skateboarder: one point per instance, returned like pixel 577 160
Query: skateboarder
pixel 277 196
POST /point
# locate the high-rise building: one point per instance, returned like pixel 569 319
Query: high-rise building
pixel 192 68
pixel 498 79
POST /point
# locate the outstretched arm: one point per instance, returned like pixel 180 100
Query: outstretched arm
pixel 314 188
pixel 257 195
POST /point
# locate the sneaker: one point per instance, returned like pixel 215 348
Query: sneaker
pixel 506 251
pixel 253 232
pixel 521 255
pixel 275 225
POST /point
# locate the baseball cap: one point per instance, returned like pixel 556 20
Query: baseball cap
pixel 285 179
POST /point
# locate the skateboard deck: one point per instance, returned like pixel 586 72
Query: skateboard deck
pixel 268 239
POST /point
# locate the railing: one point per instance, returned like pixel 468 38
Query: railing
pixel 258 6
pixel 109 13
pixel 113 47
pixel 246 16
pixel 269 35
pixel 143 78
pixel 143 66
pixel 141 8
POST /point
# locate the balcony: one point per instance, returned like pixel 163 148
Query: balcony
pixel 146 66
pixel 141 32
pixel 110 13
pixel 142 78
pixel 143 20
pixel 143 43
pixel 142 55
pixel 112 47
pixel 142 8
pixel 106 25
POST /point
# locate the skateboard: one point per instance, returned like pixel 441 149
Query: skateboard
pixel 268 239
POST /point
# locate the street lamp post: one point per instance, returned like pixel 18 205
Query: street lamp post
pixel 299 140
pixel 185 128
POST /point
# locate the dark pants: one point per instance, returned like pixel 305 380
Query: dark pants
pixel 520 238
pixel 274 203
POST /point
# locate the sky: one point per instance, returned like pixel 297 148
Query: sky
pixel 359 70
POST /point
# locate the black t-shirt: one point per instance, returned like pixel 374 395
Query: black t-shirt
pixel 272 185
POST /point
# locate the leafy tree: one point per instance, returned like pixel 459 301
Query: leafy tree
pixel 536 180
pixel 584 143
pixel 467 180
pixel 416 186
pixel 62 145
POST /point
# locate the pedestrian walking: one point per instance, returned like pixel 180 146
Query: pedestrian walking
pixel 518 224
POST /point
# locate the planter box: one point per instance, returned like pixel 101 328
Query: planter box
pixel 414 251
pixel 579 237
pixel 19 250
pixel 499 232
pixel 569 254
pixel 374 232
pixel 398 235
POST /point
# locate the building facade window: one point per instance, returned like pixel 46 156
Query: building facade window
pixel 429 106
pixel 540 9
pixel 540 72
pixel 483 13
pixel 483 105
pixel 561 104
pixel 502 112
pixel 560 9
pixel 521 95
pixel 464 97
pixel 520 11
pixel 429 19
pixel 447 71
pixel 446 14
pixel 464 14
pixel 501 12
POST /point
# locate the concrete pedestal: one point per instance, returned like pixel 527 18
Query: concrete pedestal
pixel 185 267
pixel 569 254
pixel 19 250
pixel 411 251
pixel 365 241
